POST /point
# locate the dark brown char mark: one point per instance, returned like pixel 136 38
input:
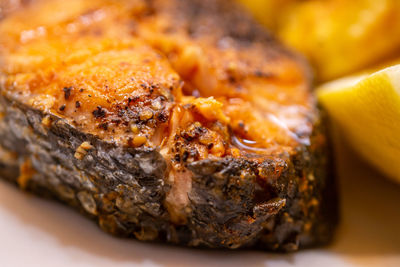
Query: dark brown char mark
pixel 123 188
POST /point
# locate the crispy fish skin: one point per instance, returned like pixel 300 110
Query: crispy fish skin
pixel 106 106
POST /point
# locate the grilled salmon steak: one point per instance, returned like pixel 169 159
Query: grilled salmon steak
pixel 180 121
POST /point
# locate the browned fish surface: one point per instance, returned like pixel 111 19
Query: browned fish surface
pixel 218 117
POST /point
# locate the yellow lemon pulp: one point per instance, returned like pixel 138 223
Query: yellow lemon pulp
pixel 367 110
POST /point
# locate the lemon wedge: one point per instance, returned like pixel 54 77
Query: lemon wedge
pixel 366 109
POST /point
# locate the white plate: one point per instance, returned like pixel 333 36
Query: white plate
pixel 37 232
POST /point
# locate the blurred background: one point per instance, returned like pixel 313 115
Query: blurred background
pixel 339 37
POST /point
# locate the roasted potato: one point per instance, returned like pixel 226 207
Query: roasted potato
pixel 337 36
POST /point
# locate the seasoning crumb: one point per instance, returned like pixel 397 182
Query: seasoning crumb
pixel 139 140
pixel 67 92
pixel 156 104
pixel 86 145
pixel 146 114
pixel 77 104
pixel 134 129
pixel 46 121
pixel 314 202
pixel 307 226
pixel 26 171
pixel 99 112
pixel 62 108
pixel 104 126
pixel 81 151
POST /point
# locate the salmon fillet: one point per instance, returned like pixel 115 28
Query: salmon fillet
pixel 176 121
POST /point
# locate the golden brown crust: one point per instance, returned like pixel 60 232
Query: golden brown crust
pixel 107 65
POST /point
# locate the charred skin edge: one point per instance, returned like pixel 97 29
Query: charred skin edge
pixel 123 188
